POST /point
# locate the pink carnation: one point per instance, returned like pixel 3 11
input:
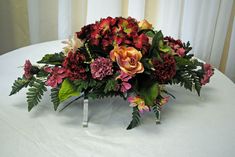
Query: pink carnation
pixel 101 67
pixel 56 76
pixel 208 72
pixel 27 68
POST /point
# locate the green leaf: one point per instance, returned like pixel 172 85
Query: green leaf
pixel 55 97
pixel 147 63
pixel 93 83
pixel 81 85
pixel 163 47
pixel 54 59
pixel 18 85
pixel 183 62
pixel 188 78
pixel 35 93
pixel 197 82
pixel 187 49
pixel 98 94
pixel 149 93
pixel 155 44
pixel 135 119
pixel 42 73
pixel 110 86
pixel 157 37
pixel 188 74
pixel 148 32
pixel 67 90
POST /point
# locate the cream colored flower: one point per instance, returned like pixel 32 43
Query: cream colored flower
pixel 72 45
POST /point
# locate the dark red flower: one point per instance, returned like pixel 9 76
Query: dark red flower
pixel 142 42
pixel 106 24
pixel 85 32
pixel 165 69
pixel 129 26
pixel 74 64
pixel 110 32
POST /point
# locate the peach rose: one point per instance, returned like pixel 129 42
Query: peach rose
pixel 144 24
pixel 128 59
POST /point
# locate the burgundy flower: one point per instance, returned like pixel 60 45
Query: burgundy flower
pixel 165 69
pixel 208 72
pixel 106 24
pixel 56 75
pixel 110 32
pixel 142 42
pixel 27 69
pixel 101 67
pixel 85 31
pixel 73 63
pixel 176 45
pixel 129 26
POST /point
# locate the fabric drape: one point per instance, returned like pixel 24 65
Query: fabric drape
pixel 207 24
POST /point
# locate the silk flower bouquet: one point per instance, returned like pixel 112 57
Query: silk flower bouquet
pixel 116 57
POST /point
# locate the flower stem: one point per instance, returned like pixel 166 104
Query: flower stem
pixel 89 53
pixel 71 102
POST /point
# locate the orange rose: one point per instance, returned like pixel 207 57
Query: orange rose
pixel 128 59
pixel 144 24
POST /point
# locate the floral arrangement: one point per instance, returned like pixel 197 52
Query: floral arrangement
pixel 116 57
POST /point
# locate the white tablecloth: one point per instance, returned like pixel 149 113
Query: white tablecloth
pixel 191 126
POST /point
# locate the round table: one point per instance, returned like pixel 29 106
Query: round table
pixel 190 125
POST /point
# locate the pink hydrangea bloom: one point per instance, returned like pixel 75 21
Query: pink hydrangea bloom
pixel 27 68
pixel 125 86
pixel 101 67
pixel 56 76
pixel 208 72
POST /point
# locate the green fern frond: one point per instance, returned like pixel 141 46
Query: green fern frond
pixel 110 86
pixel 157 110
pixel 55 97
pixel 18 85
pixel 197 82
pixel 186 80
pixel 135 119
pixel 98 94
pixel 35 93
pixel 189 79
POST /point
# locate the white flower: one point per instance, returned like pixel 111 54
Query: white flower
pixel 72 45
